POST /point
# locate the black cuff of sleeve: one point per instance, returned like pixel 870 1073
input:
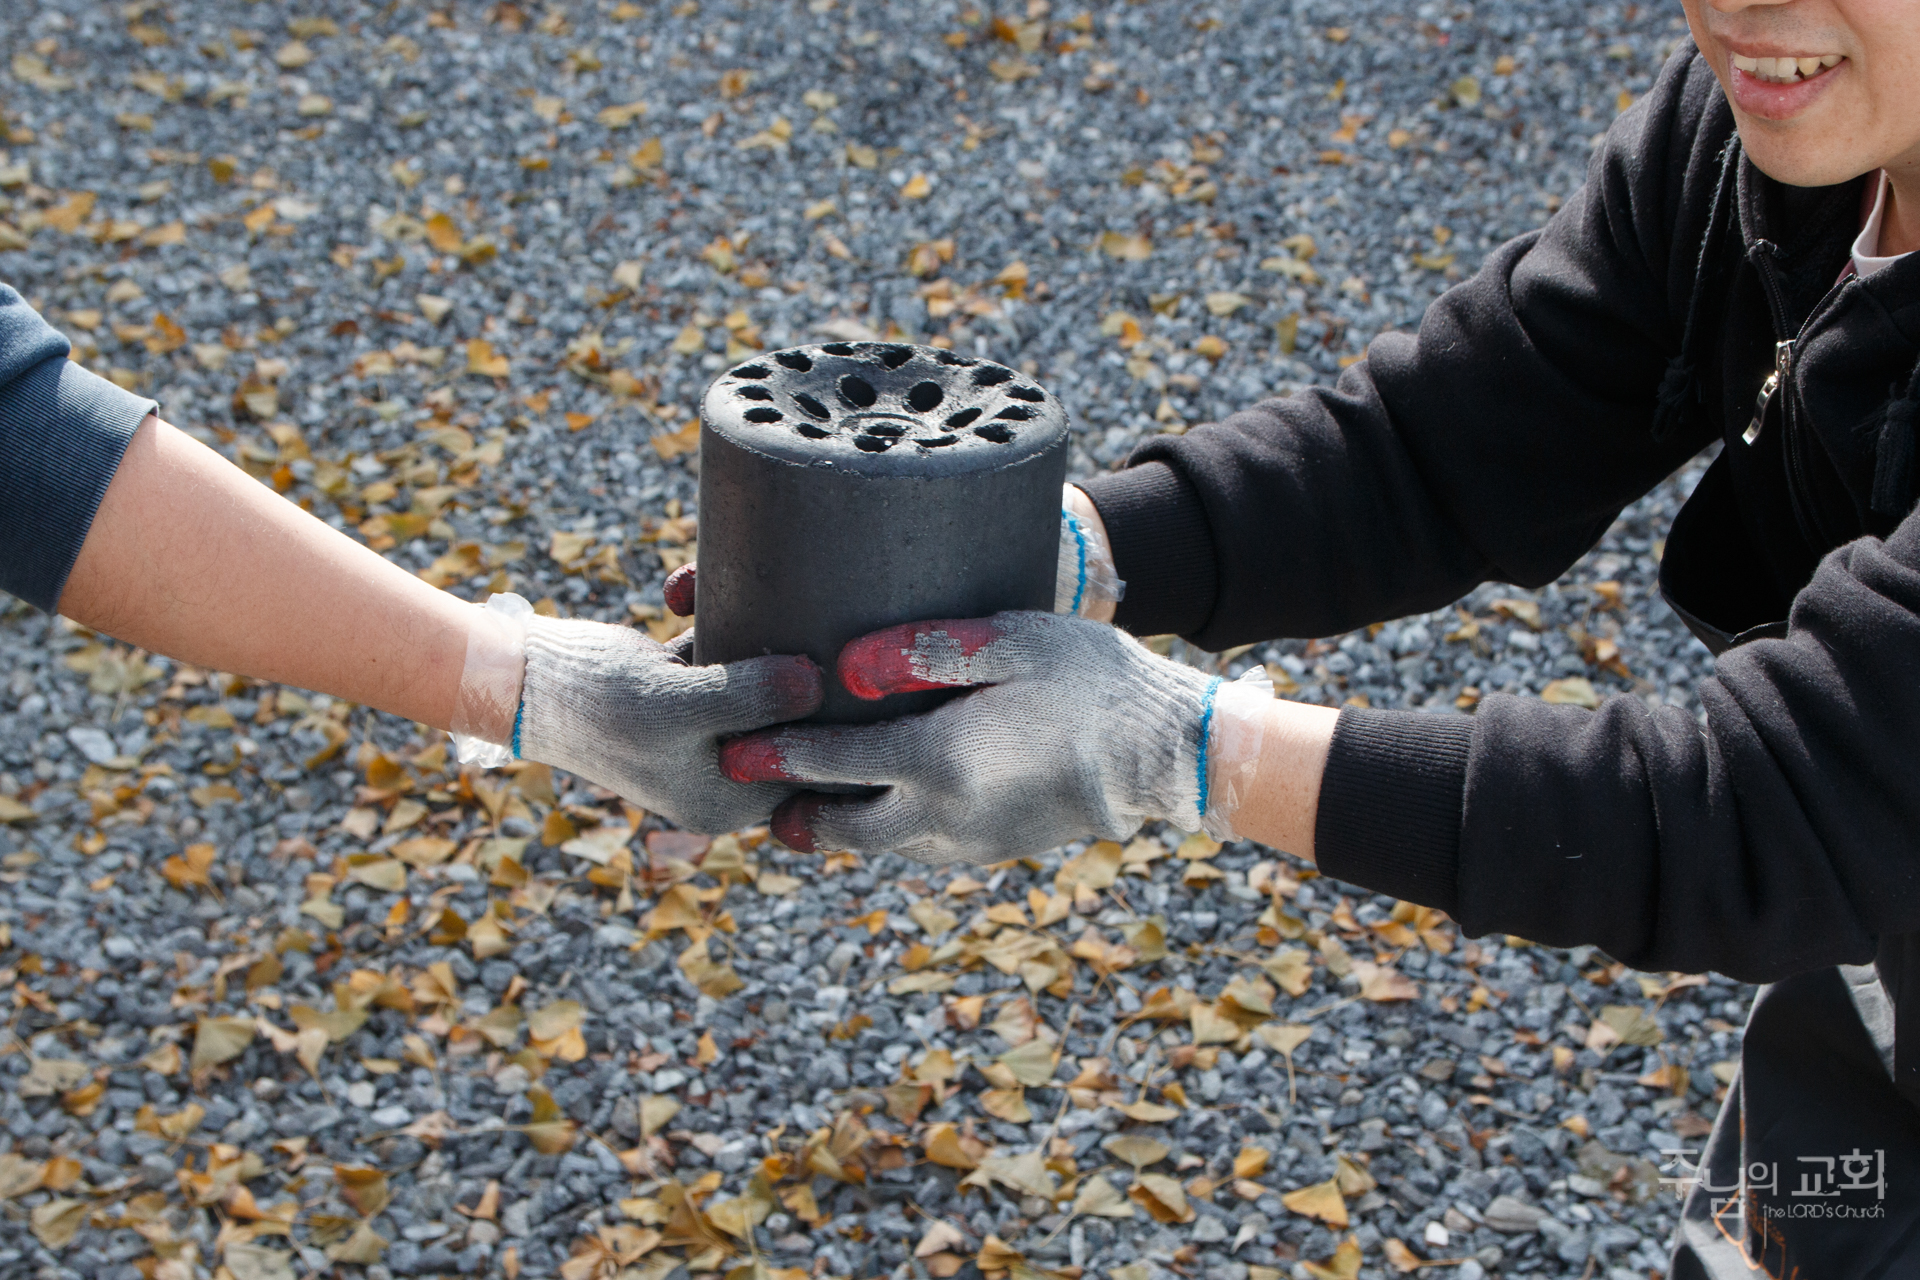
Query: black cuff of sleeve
pixel 63 431
pixel 1162 548
pixel 1391 803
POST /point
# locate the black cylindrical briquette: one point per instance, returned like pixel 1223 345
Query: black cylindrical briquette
pixel 853 486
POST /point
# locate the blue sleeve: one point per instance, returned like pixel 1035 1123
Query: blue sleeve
pixel 63 431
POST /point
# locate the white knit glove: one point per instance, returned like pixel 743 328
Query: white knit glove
pixel 1084 578
pixel 1080 731
pixel 614 707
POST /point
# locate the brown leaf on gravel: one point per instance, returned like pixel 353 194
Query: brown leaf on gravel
pixel 1343 1265
pixel 1381 983
pixel 1136 1150
pixel 947 1145
pixel 1322 1200
pixel 19 1175
pixel 716 980
pixel 58 1221
pixel 364 1246
pixel 1291 968
pixel 218 1040
pixel 363 1187
pixel 1164 1199
pixel 550 1132
pixel 1400 1257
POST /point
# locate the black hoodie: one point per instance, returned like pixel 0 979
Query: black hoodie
pixel 1581 365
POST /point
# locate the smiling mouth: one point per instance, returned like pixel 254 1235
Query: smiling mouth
pixel 1787 70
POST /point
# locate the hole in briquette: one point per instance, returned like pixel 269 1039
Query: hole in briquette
pixel 857 392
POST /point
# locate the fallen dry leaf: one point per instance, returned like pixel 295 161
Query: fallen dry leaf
pixel 58 1221
pixel 1343 1265
pixel 1322 1200
pixel 1164 1199
pixel 1291 969
pixel 939 1236
pixel 1632 1024
pixel 1148 1112
pixel 1102 1199
pixel 218 1040
pixel 1382 983
pixel 1400 1257
pixel 19 1175
pixel 550 1132
pixel 1136 1150
pixel 947 1146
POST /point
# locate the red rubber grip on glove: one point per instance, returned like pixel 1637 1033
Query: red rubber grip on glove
pixel 679 591
pixel 792 822
pixel 883 663
pixel 754 758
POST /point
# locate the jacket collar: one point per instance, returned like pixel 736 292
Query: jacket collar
pixel 1807 232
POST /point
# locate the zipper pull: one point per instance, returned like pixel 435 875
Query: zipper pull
pixel 1782 366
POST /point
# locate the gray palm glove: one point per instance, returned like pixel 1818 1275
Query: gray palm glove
pixel 1080 730
pixel 614 707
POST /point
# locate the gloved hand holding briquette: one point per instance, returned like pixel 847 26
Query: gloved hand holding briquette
pixel 1074 729
pixel 619 709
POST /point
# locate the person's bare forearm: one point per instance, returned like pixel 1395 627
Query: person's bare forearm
pixel 1284 801
pixel 190 557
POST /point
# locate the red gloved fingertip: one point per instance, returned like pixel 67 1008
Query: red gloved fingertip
pixel 792 822
pixel 882 663
pixel 679 591
pixel 797 681
pixel 754 758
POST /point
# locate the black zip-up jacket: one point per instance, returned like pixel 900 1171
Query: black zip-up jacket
pixel 1581 365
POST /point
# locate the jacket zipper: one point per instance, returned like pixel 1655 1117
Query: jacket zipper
pixel 1782 369
pixel 1777 386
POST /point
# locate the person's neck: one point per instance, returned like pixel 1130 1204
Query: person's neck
pixel 1900 224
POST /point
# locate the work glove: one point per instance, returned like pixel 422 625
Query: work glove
pixel 1073 728
pixel 1084 578
pixel 613 706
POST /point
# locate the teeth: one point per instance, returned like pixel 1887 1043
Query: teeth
pixel 1786 70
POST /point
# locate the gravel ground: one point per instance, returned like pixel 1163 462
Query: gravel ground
pixel 433 274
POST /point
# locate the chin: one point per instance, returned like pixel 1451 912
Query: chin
pixel 1798 161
